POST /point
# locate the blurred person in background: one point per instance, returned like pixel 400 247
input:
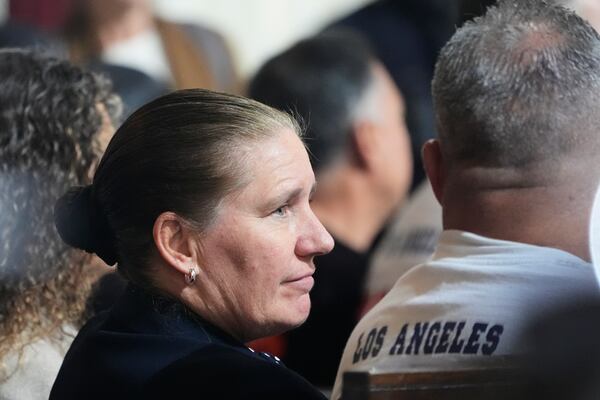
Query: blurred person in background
pixel 27 29
pixel 127 33
pixel 515 170
pixel 202 199
pixel 406 36
pixel 55 121
pixel 360 149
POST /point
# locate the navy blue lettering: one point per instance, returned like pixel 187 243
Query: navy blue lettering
pixel 379 341
pixel 493 339
pixel 443 344
pixel 432 337
pixel 369 344
pixel 417 338
pixel 473 345
pixel 457 343
pixel 358 350
pixel 398 346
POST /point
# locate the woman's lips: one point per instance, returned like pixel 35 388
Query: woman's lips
pixel 303 283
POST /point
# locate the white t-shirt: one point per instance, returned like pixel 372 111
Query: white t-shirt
pixel 470 301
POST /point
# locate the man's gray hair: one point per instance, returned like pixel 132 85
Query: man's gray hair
pixel 518 86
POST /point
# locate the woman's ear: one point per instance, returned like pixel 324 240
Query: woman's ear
pixel 433 162
pixel 172 239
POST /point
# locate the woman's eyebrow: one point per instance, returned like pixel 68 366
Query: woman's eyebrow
pixel 288 194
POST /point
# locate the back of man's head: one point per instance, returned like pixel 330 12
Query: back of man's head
pixel 519 89
pixel 323 80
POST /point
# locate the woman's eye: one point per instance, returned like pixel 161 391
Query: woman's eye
pixel 281 211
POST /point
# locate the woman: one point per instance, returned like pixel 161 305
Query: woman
pixel 55 120
pixel 202 200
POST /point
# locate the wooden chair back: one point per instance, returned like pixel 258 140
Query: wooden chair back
pixel 480 384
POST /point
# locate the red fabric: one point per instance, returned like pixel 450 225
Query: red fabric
pixel 43 14
pixel 274 345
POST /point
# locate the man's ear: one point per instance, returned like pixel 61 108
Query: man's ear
pixel 433 161
pixel 171 238
pixel 364 141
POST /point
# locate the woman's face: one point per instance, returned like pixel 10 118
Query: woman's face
pixel 256 259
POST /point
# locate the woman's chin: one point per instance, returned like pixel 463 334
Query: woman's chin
pixel 299 311
pixel 293 315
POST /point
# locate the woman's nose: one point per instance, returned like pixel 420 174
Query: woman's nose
pixel 314 240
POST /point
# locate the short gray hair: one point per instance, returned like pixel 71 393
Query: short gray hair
pixel 518 86
pixel 324 80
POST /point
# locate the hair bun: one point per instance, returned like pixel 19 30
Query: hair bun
pixel 81 225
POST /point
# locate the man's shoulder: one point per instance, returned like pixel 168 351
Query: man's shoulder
pixel 474 303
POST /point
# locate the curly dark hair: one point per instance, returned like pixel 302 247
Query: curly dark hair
pixel 51 114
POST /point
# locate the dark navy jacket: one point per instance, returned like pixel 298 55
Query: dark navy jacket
pixel 149 347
